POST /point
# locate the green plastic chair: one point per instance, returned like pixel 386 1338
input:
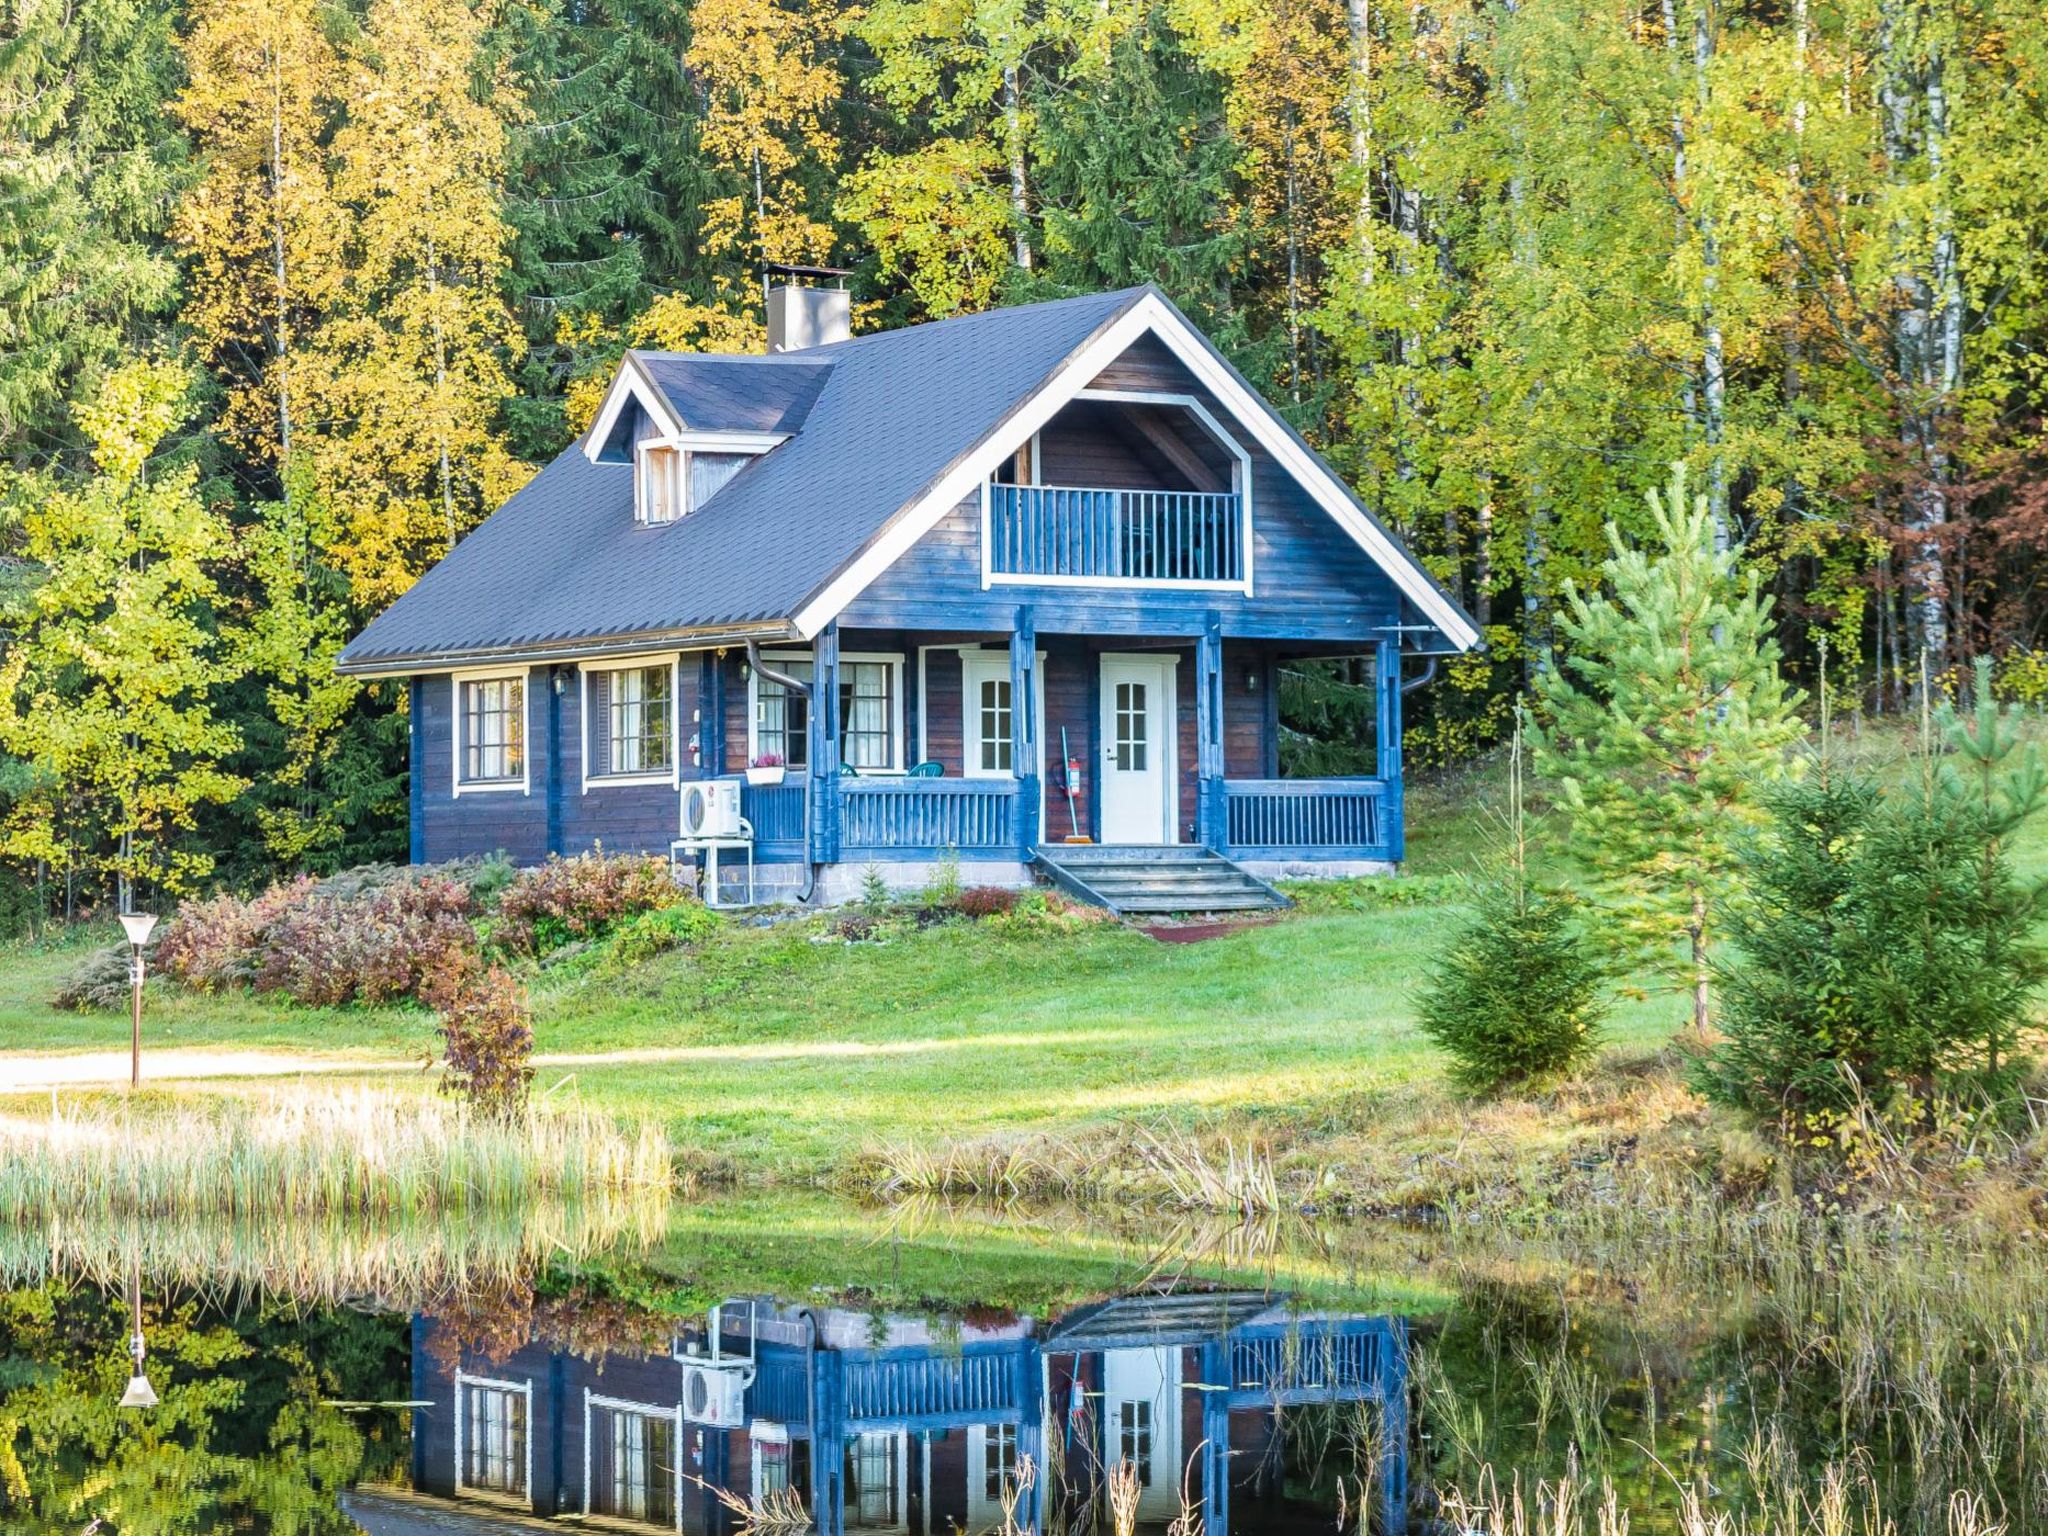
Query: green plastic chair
pixel 930 769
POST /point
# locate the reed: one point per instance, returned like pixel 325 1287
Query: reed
pixel 304 1152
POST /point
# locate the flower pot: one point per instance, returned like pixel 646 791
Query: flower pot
pixel 774 775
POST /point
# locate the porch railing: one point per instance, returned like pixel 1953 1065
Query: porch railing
pixel 1072 532
pixel 979 1386
pixel 1326 818
pixel 776 813
pixel 927 815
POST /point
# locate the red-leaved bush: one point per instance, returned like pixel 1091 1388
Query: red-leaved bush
pixel 488 1033
pixel 547 906
pixel 985 901
pixel 216 943
pixel 370 949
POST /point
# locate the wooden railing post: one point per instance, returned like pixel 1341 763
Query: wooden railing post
pixel 1387 675
pixel 1210 826
pixel 825 747
pixel 1024 728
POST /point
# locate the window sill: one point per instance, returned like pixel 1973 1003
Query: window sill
pixel 664 780
pixel 490 786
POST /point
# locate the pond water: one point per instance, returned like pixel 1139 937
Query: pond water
pixel 802 1365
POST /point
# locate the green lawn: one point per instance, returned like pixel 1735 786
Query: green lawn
pixel 790 1056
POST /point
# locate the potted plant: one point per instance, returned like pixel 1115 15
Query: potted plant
pixel 768 768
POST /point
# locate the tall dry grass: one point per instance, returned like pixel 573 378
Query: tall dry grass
pixel 308 1152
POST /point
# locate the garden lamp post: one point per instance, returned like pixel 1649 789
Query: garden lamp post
pixel 138 926
pixel 140 1393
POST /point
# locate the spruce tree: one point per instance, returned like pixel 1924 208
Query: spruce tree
pixel 1665 718
pixel 1517 994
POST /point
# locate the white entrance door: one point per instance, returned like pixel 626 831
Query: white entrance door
pixel 1138 767
pixel 1141 1396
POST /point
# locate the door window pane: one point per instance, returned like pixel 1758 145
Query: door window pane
pixel 872 1494
pixel 1132 723
pixel 998 1458
pixel 1134 1437
pixel 992 724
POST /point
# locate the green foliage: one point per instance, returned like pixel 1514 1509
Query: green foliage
pixel 1516 994
pixel 1889 945
pixel 1664 718
pixel 943 888
pixel 547 906
pixel 874 890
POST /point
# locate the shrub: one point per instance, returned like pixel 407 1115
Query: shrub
pixel 489 1036
pixel 370 950
pixel 641 938
pixel 98 983
pixel 216 943
pixel 986 901
pixel 1517 993
pixel 856 927
pixel 1046 912
pixel 943 888
pixel 580 898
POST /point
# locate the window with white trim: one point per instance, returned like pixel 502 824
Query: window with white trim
pixel 494 1438
pixel 870 713
pixel 631 730
pixel 998 1459
pixel 492 722
pixel 642 1480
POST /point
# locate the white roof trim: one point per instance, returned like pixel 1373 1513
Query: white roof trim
pixel 1149 314
pixel 631 383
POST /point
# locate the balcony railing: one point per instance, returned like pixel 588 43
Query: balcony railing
pixel 1072 533
pixel 1297 818
pixel 932 815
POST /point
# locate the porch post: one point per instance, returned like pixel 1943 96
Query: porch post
pixel 825 746
pixel 1210 826
pixel 1215 1370
pixel 1393 1395
pixel 828 1445
pixel 1024 728
pixel 1387 757
pixel 1029 1365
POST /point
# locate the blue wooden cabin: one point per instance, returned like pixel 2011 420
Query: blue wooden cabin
pixel 892 1425
pixel 981 587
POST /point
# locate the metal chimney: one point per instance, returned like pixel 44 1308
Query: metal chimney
pixel 803 316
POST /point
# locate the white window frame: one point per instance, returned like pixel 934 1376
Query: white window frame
pixel 458 720
pixel 1240 484
pixel 764 1432
pixel 643 481
pixel 975 665
pixel 673 660
pixel 592 1402
pixel 894 659
pixel 524 1389
pixel 683 445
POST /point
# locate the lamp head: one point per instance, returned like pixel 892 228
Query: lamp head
pixel 138 926
pixel 140 1393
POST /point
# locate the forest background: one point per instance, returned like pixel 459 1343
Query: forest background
pixel 293 293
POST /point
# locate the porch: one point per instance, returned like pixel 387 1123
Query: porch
pixel 913 747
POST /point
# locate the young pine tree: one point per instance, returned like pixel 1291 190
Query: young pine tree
pixel 1665 718
pixel 1517 995
pixel 1888 943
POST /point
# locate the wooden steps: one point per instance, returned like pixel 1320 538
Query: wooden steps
pixel 1135 880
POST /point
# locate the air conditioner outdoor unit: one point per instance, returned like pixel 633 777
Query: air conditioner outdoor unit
pixel 714 1394
pixel 711 808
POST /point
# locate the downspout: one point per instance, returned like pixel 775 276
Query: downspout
pixel 792 685
pixel 1424 678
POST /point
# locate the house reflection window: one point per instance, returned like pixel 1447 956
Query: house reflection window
pixel 639 1463
pixel 1134 1436
pixel 998 1459
pixel 874 1481
pixel 492 1430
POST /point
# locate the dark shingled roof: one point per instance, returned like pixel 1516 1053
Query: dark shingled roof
pixel 564 564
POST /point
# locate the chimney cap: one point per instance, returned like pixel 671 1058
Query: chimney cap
pixel 786 269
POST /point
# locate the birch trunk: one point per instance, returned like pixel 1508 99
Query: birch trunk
pixel 1013 133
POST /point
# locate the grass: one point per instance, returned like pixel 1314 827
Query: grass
pixel 784 1058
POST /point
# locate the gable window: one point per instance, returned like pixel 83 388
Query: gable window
pixel 492 1430
pixel 673 481
pixel 661 484
pixel 870 713
pixel 490 732
pixel 630 721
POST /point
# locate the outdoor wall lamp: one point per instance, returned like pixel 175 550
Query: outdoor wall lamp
pixel 138 926
pixel 140 1393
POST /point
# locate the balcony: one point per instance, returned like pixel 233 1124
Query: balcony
pixel 1086 536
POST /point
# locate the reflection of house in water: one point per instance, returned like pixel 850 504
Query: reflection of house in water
pixel 1265 1418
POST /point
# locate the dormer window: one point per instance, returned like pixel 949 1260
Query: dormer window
pixel 673 481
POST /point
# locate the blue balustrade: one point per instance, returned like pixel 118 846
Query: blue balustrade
pixel 776 813
pixel 927 816
pixel 1283 818
pixel 1079 533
